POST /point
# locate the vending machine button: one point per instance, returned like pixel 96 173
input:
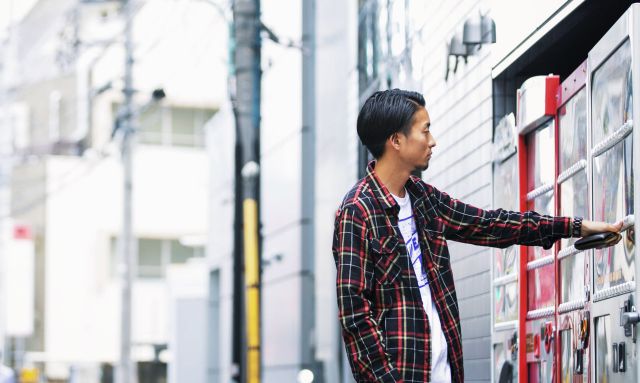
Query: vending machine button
pixel 584 330
pixel 513 346
pixel 587 293
pixel 622 357
pixel 629 317
pixel 536 345
pixel 548 336
pixel 578 370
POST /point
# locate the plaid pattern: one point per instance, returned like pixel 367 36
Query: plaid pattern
pixel 384 326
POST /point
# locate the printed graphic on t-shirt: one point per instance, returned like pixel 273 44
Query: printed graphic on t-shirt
pixel 440 369
pixel 408 229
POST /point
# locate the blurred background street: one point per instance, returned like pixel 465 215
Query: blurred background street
pixel 170 171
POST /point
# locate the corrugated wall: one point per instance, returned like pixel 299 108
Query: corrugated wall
pixel 461 116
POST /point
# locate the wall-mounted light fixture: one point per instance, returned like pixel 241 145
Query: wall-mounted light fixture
pixel 478 29
pixel 456 49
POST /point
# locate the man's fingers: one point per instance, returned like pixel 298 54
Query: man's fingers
pixel 617 227
pixel 614 227
pixel 591 227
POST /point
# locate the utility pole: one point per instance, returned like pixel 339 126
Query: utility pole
pixel 237 334
pixel 246 30
pixel 127 258
pixel 308 191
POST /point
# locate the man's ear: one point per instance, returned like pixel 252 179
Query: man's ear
pixel 395 140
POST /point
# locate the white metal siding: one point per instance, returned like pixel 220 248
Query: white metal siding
pixel 461 122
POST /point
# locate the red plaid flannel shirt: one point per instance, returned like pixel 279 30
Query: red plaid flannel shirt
pixel 384 325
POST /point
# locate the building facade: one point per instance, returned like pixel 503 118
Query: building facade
pixel 67 184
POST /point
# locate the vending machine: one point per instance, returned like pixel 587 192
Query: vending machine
pixel 573 267
pixel 537 152
pixel 577 154
pixel 505 265
pixel 613 143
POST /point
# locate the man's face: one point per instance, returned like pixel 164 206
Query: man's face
pixel 417 145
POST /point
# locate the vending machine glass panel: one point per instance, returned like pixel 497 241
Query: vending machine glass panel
pixel 603 359
pixel 566 363
pixel 506 302
pixel 574 188
pixel 573 137
pixel 506 262
pixel 572 272
pixel 541 287
pixel 499 358
pixel 612 165
pixel 505 267
pixel 506 196
pixel 541 144
pixel 611 93
pixel 503 365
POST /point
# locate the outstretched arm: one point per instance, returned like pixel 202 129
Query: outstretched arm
pixel 498 228
pixel 502 228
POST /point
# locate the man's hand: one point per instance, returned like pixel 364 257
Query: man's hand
pixel 591 227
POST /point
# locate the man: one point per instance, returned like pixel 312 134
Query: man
pixel 396 298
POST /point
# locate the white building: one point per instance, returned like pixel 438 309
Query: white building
pixel 67 180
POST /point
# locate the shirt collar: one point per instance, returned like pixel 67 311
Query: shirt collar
pixel 383 195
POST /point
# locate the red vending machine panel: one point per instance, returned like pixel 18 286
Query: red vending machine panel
pixel 537 108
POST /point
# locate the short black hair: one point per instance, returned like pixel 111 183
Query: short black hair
pixel 385 113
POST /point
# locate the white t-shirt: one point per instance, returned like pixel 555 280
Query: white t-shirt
pixel 440 369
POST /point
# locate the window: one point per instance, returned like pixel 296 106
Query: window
pixel 150 262
pixel 171 125
pixel 154 255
